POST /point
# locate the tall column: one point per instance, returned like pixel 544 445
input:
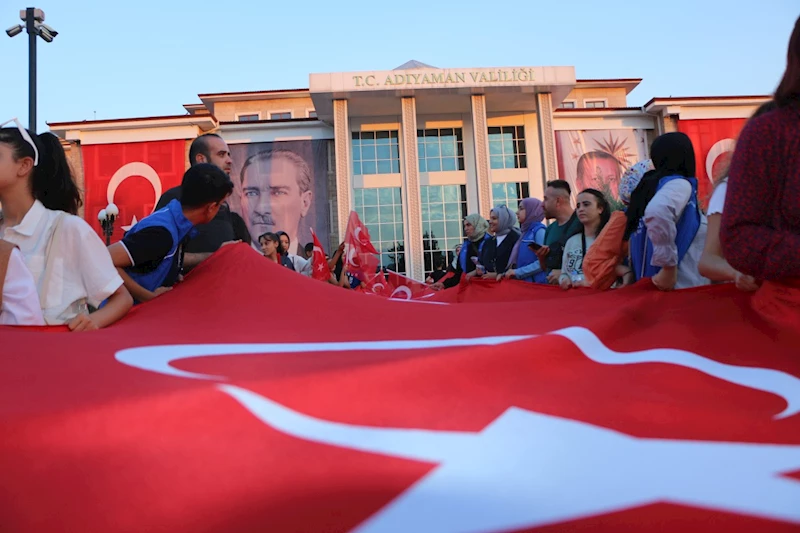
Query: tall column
pixel 341 135
pixel 547 136
pixel 415 262
pixel 480 139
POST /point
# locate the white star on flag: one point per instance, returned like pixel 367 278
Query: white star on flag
pixel 132 224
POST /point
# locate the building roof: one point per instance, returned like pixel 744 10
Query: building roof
pixel 628 84
pixel 413 64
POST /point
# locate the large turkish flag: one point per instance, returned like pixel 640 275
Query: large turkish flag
pixel 212 409
pixel 714 141
pixel 131 175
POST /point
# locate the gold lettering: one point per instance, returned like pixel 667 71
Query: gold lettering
pixel 531 71
pixel 370 81
pixel 358 79
pixel 437 78
pixel 460 77
pixel 491 76
pixel 474 76
pixel 483 78
pixel 523 75
pixel 399 79
pixel 388 81
pixel 425 80
pixel 416 78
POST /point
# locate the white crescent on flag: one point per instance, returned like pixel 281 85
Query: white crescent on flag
pixel 401 290
pixel 719 148
pixel 128 170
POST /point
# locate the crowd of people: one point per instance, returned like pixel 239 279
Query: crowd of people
pixel 55 269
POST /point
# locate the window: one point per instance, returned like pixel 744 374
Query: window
pixel 381 210
pixel 283 115
pixel 567 104
pixel 507 147
pixel 312 113
pixel 509 194
pixel 594 104
pixel 440 149
pixel 444 208
pixel 249 117
pixel 375 152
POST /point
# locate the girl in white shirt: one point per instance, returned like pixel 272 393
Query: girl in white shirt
pixel 594 213
pixel 71 266
pixel 712 264
pixel 19 302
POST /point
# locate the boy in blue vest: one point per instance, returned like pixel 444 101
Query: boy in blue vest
pixel 149 257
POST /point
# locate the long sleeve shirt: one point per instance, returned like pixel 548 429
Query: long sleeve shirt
pixel 760 233
pixel 661 218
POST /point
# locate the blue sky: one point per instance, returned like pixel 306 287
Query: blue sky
pixel 150 57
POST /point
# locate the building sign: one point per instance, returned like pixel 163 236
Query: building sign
pixel 445 77
pixel 434 78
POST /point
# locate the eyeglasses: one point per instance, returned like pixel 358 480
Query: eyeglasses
pixel 26 137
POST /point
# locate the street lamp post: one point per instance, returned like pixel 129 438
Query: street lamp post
pixel 107 217
pixel 34 24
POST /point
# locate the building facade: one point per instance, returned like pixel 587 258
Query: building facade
pixel 413 150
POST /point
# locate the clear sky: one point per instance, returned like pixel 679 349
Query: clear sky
pixel 143 58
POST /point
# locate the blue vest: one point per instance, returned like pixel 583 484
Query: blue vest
pixel 642 249
pixel 463 255
pixel 172 219
pixel 527 256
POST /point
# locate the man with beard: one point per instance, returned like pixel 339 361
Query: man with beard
pixel 276 194
pixel 226 226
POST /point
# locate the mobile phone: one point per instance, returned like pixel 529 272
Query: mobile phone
pixel 534 246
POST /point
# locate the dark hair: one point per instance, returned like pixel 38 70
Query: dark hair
pixel 603 203
pixel 560 184
pixel 672 154
pixel 281 234
pixel 270 237
pixel 788 91
pixel 309 248
pixel 200 147
pixel 51 180
pixel 203 184
pixel 303 174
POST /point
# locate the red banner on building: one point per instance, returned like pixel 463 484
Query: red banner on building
pixel 131 175
pixel 713 140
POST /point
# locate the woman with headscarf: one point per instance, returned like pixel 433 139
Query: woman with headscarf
pixel 666 229
pixel 475 227
pixel 498 250
pixel 523 260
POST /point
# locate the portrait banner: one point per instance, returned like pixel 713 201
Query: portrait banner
pixel 596 159
pixel 282 186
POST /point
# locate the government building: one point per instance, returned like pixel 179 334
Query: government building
pixel 412 150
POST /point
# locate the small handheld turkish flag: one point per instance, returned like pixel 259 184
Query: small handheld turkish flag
pixel 405 288
pixel 359 251
pixel 321 270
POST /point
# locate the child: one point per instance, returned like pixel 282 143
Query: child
pixel 149 257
